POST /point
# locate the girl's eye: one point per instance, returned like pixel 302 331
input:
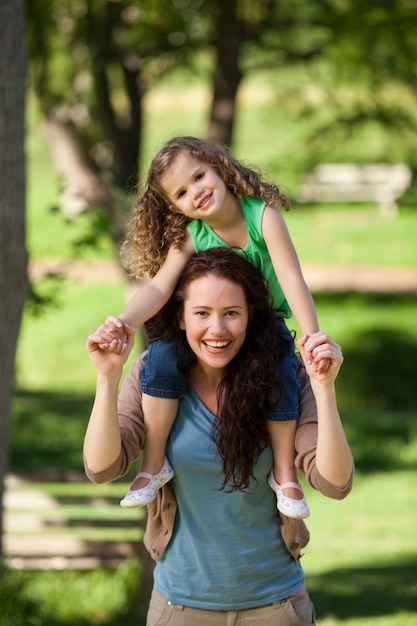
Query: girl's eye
pixel 181 194
pixel 199 176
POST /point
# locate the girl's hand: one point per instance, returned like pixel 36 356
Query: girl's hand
pixel 114 337
pixel 322 357
pixel 107 360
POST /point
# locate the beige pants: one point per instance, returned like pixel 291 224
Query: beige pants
pixel 297 610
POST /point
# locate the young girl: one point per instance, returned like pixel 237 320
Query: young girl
pixel 198 196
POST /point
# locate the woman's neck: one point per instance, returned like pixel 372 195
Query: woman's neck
pixel 205 383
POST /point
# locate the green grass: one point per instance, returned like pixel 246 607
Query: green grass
pixel 360 560
pixel 359 567
pixel 57 337
pixel 360 563
pixel 378 335
pixel 357 235
pixel 97 597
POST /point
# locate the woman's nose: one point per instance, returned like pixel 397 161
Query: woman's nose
pixel 217 325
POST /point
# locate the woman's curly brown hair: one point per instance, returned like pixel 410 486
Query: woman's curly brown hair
pixel 154 227
pixel 249 385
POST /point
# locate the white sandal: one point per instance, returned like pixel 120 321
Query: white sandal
pixel 142 497
pixel 297 509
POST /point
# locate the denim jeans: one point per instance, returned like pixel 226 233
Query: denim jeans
pixel 162 377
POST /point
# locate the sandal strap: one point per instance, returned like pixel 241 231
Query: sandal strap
pixel 145 475
pixel 295 485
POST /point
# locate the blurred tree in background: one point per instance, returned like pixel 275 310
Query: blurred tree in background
pixel 93 61
pixel 13 259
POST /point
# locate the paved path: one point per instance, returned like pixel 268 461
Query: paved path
pixel 320 277
pixel 361 278
pixel 42 531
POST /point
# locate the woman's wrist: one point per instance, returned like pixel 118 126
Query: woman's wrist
pixel 109 378
pixel 324 387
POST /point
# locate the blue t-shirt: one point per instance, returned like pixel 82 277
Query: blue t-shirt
pixel 226 552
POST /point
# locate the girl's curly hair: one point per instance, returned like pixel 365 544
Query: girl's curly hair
pixel 249 385
pixel 154 227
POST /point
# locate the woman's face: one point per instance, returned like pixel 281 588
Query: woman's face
pixel 215 319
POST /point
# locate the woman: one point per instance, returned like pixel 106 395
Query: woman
pixel 222 552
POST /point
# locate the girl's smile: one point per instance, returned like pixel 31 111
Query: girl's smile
pixel 205 201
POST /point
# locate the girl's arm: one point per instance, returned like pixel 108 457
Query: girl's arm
pixel 149 299
pixel 153 295
pixel 288 270
pixel 333 458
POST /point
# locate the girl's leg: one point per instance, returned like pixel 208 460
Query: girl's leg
pixel 159 415
pixel 162 383
pixel 282 436
pixel 291 501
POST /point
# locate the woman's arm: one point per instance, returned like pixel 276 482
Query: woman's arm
pixel 103 440
pixel 323 452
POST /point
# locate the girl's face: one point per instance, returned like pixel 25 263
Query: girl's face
pixel 215 319
pixel 194 188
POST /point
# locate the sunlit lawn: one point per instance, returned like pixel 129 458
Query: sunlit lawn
pixel 363 551
pixel 362 558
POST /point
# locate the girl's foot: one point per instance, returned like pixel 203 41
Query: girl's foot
pixel 142 497
pixel 297 509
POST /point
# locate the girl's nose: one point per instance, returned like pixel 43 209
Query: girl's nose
pixel 197 190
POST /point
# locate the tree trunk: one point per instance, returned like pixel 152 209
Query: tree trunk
pixel 126 138
pixel 13 258
pixel 227 75
pixel 83 187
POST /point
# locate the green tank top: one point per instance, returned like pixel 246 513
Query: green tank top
pixel 204 238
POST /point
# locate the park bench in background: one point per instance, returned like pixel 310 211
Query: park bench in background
pixel 344 182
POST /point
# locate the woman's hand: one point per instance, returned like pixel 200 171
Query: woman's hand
pixel 317 348
pixel 333 456
pixel 107 361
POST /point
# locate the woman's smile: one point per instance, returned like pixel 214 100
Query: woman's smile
pixel 215 320
pixel 217 345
